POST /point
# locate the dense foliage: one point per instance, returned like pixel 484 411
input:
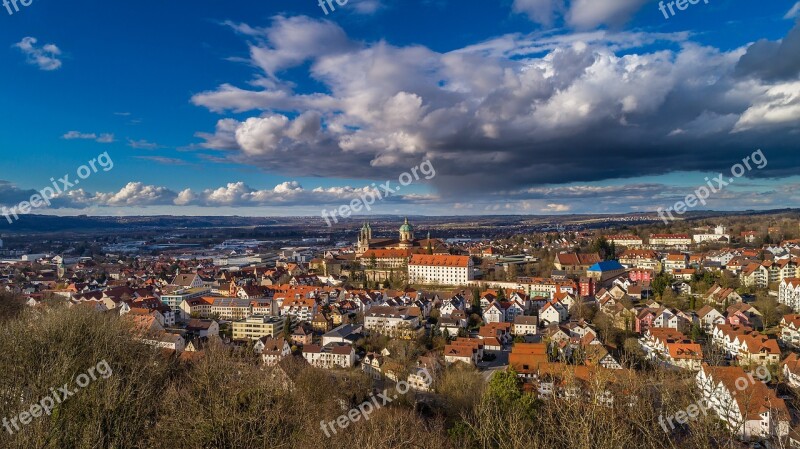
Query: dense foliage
pixel 227 400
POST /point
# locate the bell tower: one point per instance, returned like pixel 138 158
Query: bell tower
pixel 364 237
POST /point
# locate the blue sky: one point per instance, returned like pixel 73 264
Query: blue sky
pixel 275 108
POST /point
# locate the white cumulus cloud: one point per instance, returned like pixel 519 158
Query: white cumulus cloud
pixel 46 57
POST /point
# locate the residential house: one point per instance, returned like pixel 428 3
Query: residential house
pixel 527 358
pixel 671 348
pixel 553 313
pixel 203 328
pixel 746 345
pixel 302 335
pixel 674 262
pixel 188 280
pixel 320 323
pixel 423 373
pixel 499 331
pixel 456 303
pixel 272 350
pixel 741 314
pixel 686 274
pixel 749 408
pixel 525 325
pixel 466 350
pixel 463 354
pixel 301 309
pixel 494 313
pixel 754 275
pixel 790 330
pixel 598 355
pixel 789 293
pixel 641 259
pixel 329 356
pixel 717 295
pixel 400 322
pixel 709 317
pixel 749 236
pixel 790 367
pixel 453 324
pixel 195 308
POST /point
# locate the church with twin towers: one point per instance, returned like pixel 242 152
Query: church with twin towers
pixel 405 243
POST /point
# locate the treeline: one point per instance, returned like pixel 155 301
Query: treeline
pixel 227 400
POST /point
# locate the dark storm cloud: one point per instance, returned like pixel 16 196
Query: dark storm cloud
pixel 773 61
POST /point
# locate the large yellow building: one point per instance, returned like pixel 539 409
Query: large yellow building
pixel 257 326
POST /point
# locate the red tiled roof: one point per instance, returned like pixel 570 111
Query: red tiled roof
pixel 440 260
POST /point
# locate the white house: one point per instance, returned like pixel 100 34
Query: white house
pixel 790 330
pixel 272 350
pixel 451 305
pixel 789 293
pixel 330 356
pixel 745 404
pixel 494 313
pixel 525 325
pixel 553 313
pixel 791 370
pixel 709 317
pixel 393 321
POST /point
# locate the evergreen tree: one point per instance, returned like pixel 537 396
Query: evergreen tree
pixel 660 284
pixel 476 299
pixel 696 332
pixel 287 327
pixel 505 386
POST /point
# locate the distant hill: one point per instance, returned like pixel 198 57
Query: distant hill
pixel 83 223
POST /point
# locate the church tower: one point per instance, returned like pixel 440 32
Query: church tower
pixel 364 237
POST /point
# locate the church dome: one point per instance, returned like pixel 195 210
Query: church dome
pixel 406 227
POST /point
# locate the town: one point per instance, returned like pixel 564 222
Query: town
pixel 580 313
pixel 379 224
